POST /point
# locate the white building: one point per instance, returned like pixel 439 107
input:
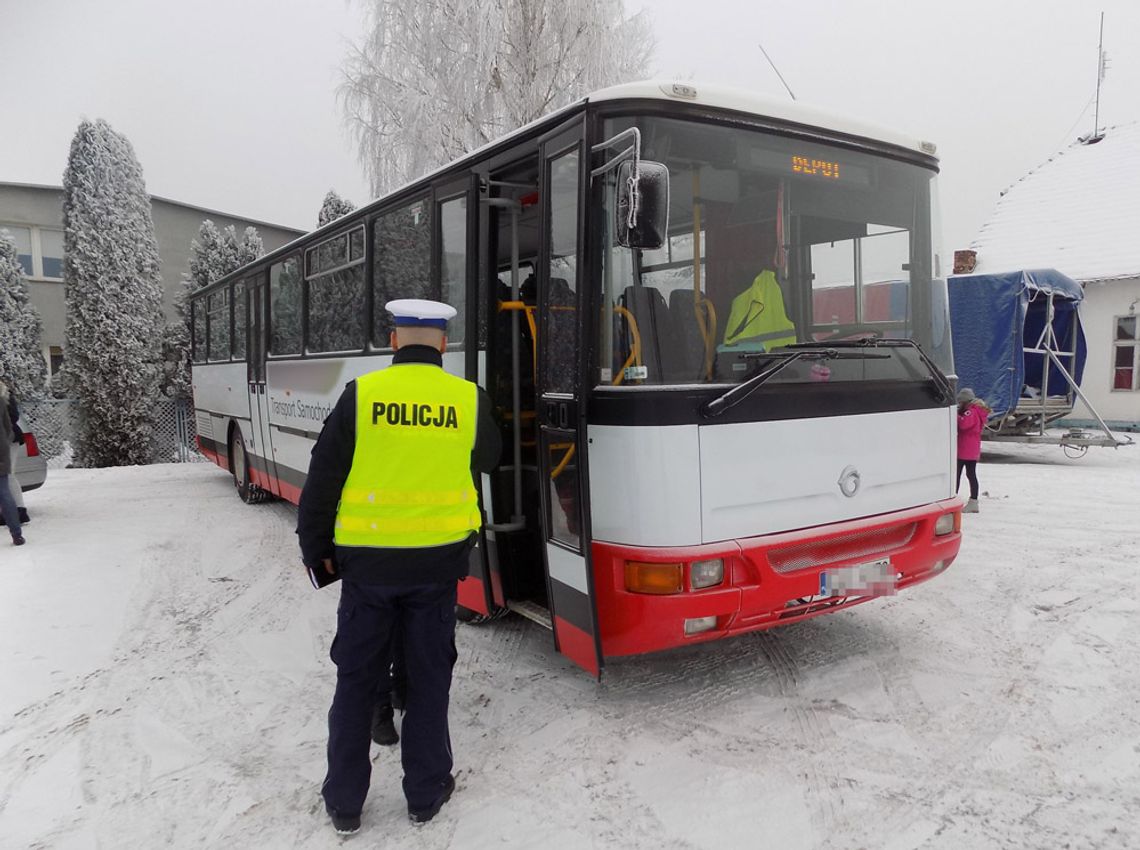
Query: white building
pixel 1079 213
pixel 33 216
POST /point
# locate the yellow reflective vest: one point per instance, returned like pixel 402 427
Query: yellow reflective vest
pixel 757 315
pixel 410 485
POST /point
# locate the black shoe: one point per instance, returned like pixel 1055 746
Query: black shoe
pixel 23 512
pixel 383 729
pixel 18 541
pixel 431 811
pixel 344 824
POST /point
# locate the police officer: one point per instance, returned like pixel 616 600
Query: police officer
pixel 391 508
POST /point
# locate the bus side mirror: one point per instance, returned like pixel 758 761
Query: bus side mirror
pixel 650 202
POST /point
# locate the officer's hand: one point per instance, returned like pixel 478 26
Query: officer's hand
pixel 328 566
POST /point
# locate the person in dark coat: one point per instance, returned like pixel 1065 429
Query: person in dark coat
pixel 390 506
pixel 17 440
pixel 7 503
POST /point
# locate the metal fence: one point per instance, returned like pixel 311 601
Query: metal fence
pixel 55 425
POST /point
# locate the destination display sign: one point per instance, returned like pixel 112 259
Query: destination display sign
pixel 810 165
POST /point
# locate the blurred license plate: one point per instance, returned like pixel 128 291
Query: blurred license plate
pixel 874 578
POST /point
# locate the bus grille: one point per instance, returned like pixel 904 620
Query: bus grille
pixel 857 544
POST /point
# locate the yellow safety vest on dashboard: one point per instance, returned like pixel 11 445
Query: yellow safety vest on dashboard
pixel 410 485
pixel 757 315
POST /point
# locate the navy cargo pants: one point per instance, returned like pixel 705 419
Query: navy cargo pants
pixel 366 621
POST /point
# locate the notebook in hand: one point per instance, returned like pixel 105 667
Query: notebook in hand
pixel 320 577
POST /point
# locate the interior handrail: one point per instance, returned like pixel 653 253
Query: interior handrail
pixel 635 349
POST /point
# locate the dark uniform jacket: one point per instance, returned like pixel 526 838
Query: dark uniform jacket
pixel 328 470
pixel 14 417
pixel 7 433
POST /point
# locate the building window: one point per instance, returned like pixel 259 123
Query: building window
pixel 39 250
pixel 51 253
pixel 1126 354
pixel 23 239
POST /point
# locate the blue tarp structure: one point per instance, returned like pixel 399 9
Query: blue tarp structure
pixel 994 317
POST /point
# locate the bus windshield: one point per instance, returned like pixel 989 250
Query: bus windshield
pixel 773 241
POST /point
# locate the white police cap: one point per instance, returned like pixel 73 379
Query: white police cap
pixel 419 312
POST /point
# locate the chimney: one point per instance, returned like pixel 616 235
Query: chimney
pixel 964 261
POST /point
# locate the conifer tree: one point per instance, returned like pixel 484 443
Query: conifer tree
pixel 334 207
pixel 213 255
pixel 114 299
pixel 22 365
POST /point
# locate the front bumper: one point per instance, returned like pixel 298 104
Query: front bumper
pixel 769 580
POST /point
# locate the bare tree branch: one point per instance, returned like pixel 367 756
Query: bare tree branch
pixel 434 79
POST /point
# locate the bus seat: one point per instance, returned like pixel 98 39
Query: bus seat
pixel 682 307
pixel 661 349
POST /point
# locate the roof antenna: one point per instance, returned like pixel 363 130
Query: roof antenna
pixel 1102 66
pixel 785 82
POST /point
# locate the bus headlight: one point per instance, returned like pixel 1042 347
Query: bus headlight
pixel 946 524
pixel 643 577
pixel 706 573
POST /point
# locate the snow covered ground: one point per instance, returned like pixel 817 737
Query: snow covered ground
pixel 165 682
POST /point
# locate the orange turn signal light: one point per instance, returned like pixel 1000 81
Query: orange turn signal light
pixel 642 577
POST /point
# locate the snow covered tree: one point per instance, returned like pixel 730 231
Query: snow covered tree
pixel 22 365
pixel 213 255
pixel 114 299
pixel 437 79
pixel 333 208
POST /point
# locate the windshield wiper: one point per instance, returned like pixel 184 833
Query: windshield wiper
pixel 941 384
pixel 800 351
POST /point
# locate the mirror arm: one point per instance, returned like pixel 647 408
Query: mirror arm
pixel 632 152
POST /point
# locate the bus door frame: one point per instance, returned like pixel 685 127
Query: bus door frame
pixel 561 419
pixel 474 592
pixel 262 467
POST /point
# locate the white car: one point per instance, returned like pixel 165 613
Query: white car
pixel 31 466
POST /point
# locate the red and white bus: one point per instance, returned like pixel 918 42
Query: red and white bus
pixel 667 289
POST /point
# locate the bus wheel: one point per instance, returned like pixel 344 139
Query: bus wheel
pixel 474 618
pixel 239 468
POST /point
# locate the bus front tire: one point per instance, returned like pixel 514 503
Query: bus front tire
pixel 247 491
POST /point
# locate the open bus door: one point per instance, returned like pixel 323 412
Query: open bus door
pixel 263 470
pixel 561 429
pixel 456 217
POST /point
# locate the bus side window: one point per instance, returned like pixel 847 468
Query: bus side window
pixel 198 341
pixel 218 319
pixel 335 283
pixel 453 263
pixel 239 321
pixel 402 264
pixel 285 307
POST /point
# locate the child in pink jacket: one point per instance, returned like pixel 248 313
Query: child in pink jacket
pixel 972 415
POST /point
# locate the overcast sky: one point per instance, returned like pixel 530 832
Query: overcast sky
pixel 230 104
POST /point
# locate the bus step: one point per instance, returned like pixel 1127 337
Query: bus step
pixel 532 611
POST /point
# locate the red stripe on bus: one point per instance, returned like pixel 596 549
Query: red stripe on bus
pixel 576 645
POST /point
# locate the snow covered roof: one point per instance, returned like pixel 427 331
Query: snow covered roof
pixel 1079 212
pixel 744 100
